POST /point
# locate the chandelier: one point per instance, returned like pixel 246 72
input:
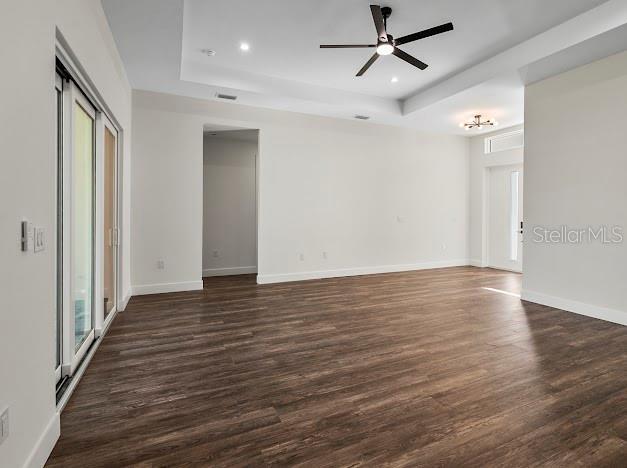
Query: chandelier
pixel 478 123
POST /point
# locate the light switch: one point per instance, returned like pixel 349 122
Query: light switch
pixel 27 235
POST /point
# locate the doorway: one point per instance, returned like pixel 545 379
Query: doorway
pixel 505 217
pixel 229 202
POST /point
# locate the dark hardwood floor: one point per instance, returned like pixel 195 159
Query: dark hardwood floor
pixel 422 368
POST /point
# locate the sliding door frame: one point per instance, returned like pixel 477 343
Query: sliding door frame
pixel 76 87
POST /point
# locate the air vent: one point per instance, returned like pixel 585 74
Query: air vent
pixel 230 97
pixel 362 117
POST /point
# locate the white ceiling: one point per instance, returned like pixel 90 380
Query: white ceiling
pixel 480 67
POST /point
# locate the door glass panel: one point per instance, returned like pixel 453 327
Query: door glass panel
pixel 59 225
pixel 109 221
pixel 82 224
pixel 513 236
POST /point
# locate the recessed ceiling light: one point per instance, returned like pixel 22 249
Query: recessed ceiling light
pixel 208 52
pixel 394 79
pixel 244 46
pixel 362 117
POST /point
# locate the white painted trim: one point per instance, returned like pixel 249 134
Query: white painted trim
pixel 229 271
pixel 477 263
pixel 166 287
pixel 44 446
pixel 308 275
pixel 581 308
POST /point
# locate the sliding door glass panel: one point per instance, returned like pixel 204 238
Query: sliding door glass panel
pixel 109 260
pixel 59 95
pixel 82 224
pixel 513 226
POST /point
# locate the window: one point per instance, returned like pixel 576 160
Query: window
pixel 515 178
pixel 505 141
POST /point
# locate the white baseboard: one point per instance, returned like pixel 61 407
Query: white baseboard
pixel 229 271
pixel 476 263
pixel 581 308
pixel 166 287
pixel 308 275
pixel 45 444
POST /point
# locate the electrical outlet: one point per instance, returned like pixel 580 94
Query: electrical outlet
pixel 443 246
pixel 301 257
pixel 215 254
pixel 4 425
pixel 160 265
pixel 325 255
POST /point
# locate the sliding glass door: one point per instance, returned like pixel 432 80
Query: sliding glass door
pixel 76 124
pixel 110 232
pixel 59 231
pixel 87 227
pixel 82 162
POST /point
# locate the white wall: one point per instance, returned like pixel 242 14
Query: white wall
pixel 27 191
pixel 374 198
pixel 229 204
pixel 575 168
pixel 166 202
pixel 480 162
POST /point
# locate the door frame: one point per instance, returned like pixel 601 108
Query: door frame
pixel 74 86
pixel 486 210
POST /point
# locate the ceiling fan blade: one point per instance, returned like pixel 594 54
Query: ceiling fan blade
pixel 426 33
pixel 345 46
pixel 409 59
pixel 379 23
pixel 368 64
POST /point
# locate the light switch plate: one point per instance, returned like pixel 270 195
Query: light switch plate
pixel 39 243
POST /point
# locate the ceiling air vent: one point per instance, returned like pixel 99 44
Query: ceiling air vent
pixel 362 117
pixel 230 97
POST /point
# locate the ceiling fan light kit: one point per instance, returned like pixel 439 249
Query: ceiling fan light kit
pixel 478 123
pixel 386 44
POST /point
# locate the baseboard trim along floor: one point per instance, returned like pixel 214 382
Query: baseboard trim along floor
pixel 358 271
pixel 581 308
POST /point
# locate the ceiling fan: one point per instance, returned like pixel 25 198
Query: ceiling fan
pixel 386 44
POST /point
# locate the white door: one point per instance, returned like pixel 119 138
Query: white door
pixel 505 214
